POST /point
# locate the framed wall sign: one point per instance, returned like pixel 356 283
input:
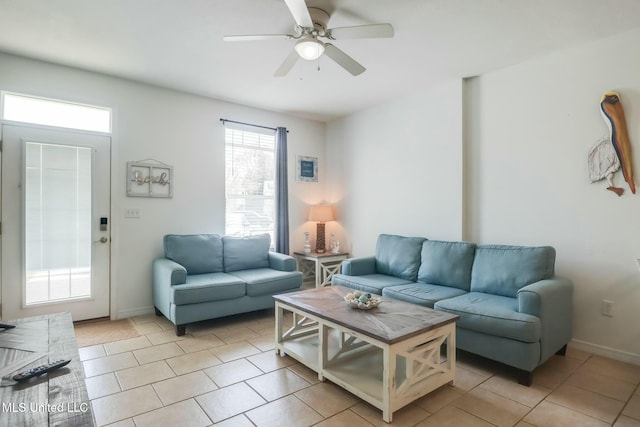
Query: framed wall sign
pixel 307 169
pixel 149 178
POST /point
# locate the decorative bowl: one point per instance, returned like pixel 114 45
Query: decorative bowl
pixel 362 301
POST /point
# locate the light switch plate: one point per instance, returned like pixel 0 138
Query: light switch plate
pixel 132 213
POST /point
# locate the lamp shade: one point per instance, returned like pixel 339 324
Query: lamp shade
pixel 321 213
pixel 309 48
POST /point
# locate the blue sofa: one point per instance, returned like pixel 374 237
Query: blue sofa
pixel 205 276
pixel 511 306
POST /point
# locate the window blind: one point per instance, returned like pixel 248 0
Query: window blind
pixel 249 182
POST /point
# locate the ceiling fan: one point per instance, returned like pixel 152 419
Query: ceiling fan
pixel 311 26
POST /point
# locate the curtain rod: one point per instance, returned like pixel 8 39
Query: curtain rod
pixel 249 124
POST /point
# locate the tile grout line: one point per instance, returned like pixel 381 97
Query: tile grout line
pixel 246 341
pixel 555 388
pixel 633 393
pixel 572 409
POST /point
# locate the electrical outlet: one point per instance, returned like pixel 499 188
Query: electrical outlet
pixel 132 213
pixel 607 308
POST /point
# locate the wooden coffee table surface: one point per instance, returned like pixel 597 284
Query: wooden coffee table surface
pixel 392 321
pixel 57 399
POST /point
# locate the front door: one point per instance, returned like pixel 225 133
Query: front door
pixel 55 241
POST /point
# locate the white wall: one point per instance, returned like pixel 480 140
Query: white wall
pixel 502 158
pixel 397 168
pixel 498 159
pixel 176 128
pixel 530 129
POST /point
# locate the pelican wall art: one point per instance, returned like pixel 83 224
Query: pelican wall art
pixel 608 155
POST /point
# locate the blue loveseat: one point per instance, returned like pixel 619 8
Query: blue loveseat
pixel 511 306
pixel 205 276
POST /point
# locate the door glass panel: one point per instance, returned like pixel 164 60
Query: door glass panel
pixel 57 222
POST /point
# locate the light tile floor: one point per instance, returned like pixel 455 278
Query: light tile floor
pixel 225 373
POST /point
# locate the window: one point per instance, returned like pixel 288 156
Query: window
pixel 249 182
pixel 51 112
pixel 57 222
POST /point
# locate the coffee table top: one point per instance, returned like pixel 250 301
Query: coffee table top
pixel 390 322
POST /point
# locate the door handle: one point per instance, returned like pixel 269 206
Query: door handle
pixel 102 240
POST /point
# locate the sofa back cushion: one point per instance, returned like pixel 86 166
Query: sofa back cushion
pixel 503 270
pixel 197 253
pixel 447 263
pixel 398 256
pixel 244 253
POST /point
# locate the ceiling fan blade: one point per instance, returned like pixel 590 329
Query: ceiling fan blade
pixel 298 9
pixel 344 60
pixel 287 65
pixel 372 31
pixel 254 37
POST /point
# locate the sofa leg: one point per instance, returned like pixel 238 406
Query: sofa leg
pixel 562 351
pixel 158 312
pixel 181 330
pixel 525 377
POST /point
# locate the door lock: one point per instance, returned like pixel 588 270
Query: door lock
pixel 102 240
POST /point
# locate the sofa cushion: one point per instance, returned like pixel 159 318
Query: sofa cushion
pixel 398 256
pixel 503 270
pixel 421 293
pixel 242 253
pixel 197 253
pixel 207 287
pixel 267 281
pixel 370 283
pixel 447 263
pixel 492 315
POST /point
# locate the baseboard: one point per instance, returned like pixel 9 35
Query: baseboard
pixel 611 353
pixel 123 314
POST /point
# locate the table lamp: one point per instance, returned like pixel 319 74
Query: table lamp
pixel 320 214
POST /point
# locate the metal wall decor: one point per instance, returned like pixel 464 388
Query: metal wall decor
pixel 149 178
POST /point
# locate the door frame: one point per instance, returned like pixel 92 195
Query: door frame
pixel 111 291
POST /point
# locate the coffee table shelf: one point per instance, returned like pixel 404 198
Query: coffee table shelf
pixel 362 376
pixel 304 350
pixel 370 354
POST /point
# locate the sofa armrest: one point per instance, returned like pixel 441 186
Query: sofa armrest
pixel 359 266
pixel 282 262
pixel 168 272
pixel 552 301
pixel 165 274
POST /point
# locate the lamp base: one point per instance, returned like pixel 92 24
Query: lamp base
pixel 320 248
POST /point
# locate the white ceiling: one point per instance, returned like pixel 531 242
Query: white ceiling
pixel 178 43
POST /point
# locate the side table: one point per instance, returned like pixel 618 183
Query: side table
pixel 321 267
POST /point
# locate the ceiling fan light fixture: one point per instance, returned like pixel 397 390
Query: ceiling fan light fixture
pixel 309 48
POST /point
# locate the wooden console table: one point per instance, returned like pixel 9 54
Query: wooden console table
pixel 320 267
pixel 56 399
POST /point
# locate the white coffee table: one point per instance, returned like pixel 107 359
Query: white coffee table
pixel 388 356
